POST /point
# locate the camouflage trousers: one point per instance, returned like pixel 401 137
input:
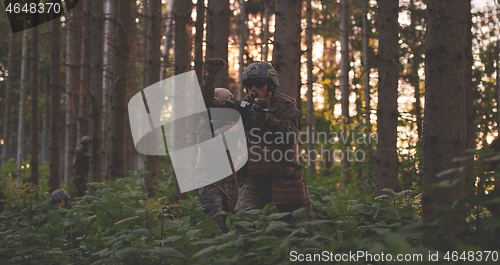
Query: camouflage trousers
pixel 256 192
pixel 219 196
pixel 79 184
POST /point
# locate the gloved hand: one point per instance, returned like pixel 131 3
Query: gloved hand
pixel 214 65
pixel 260 114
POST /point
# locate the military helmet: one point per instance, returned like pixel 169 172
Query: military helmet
pixel 261 70
pixel 58 195
pixel 85 140
pixel 222 94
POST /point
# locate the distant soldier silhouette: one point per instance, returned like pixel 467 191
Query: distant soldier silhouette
pixel 80 171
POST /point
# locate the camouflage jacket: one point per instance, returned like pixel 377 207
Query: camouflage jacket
pixel 81 161
pixel 272 145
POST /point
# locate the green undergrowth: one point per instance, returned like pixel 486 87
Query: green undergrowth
pixel 117 225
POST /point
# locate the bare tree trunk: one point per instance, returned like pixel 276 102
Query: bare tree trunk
pixel 153 76
pixel 344 58
pixel 414 76
pixel 470 113
pixel 198 41
pixel 182 62
pixel 35 158
pixel 108 63
pixel 7 106
pixel 22 100
pixel 366 66
pixel 311 165
pixel 73 47
pixel 344 79
pixel 444 136
pixel 123 65
pixel 55 110
pixel 286 51
pixel 498 84
pixel 96 74
pixel 217 36
pixel 84 88
pixel 265 29
pixel 46 123
pixel 387 162
pixel 242 28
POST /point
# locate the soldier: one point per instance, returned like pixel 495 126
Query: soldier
pixel 271 121
pixel 223 194
pixel 80 169
pixel 60 198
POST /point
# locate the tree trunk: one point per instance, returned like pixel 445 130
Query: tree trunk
pixel 123 65
pixel 108 63
pixel 198 41
pixel 344 57
pixel 311 165
pixel 22 100
pixel 35 159
pixel 242 28
pixel 366 65
pixel 55 103
pixel 182 63
pixel 7 106
pixel 217 36
pixel 84 88
pixel 470 113
pixel 344 81
pixel 96 74
pixel 414 78
pixel 387 162
pixel 498 84
pixel 73 47
pixel 46 124
pixel 444 131
pixel 153 76
pixel 286 51
pixel 265 29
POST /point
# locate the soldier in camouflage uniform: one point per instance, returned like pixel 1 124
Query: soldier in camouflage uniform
pixel 272 127
pixel 60 198
pixel 223 194
pixel 80 170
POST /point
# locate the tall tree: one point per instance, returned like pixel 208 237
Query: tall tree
pixel 96 74
pixel 366 64
pixel 123 65
pixel 311 166
pixel 242 28
pixel 55 105
pixel 286 51
pixel 198 39
pixel 218 36
pixel 182 60
pixel 265 30
pixel 35 158
pixel 345 91
pixel 22 99
pixel 8 88
pixel 83 125
pixel 153 76
pixel 498 84
pixel 107 81
pixel 444 131
pixel 344 57
pixel 387 162
pixel 73 47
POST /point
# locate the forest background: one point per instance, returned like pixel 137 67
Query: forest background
pixel 363 72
